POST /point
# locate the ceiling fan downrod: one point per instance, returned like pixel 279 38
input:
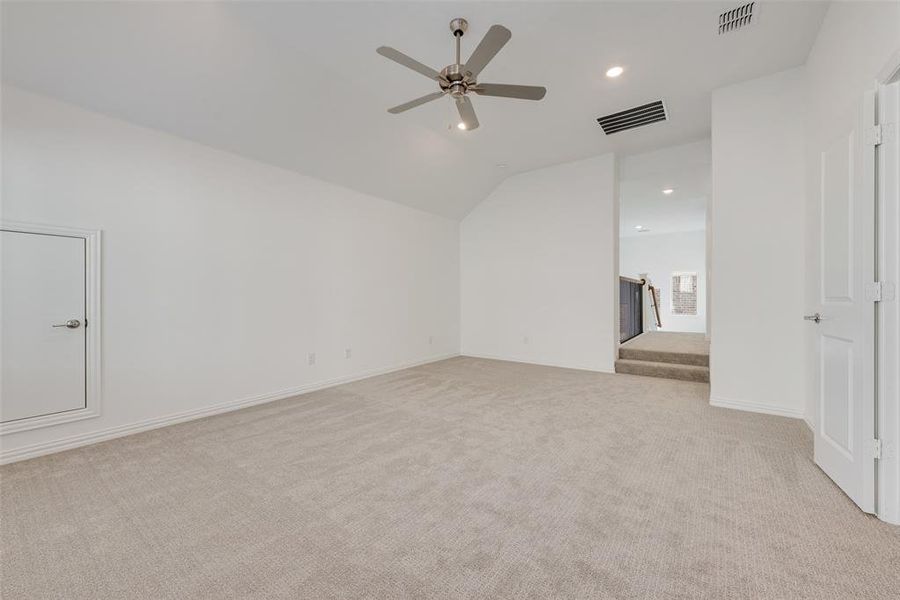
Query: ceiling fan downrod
pixel 456 83
pixel 459 27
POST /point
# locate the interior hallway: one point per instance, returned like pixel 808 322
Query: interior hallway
pixel 465 478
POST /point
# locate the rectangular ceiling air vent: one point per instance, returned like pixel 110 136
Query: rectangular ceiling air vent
pixel 736 18
pixel 633 117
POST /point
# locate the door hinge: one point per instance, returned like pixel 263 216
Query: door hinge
pixel 876 449
pixel 880 290
pixel 874 291
pixel 876 136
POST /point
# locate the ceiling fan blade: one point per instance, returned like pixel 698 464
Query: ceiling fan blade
pixel 409 63
pixel 488 47
pixel 467 113
pixel 503 90
pixel 414 103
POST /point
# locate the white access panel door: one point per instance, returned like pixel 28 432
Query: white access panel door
pixel 42 325
pixel 845 427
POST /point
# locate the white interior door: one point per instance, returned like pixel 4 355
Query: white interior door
pixel 845 428
pixel 42 323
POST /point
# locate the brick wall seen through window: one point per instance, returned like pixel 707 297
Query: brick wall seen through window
pixel 684 293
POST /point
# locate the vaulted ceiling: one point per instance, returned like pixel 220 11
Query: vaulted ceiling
pixel 299 85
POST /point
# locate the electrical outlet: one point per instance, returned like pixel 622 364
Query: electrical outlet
pixel 311 358
pixel 348 352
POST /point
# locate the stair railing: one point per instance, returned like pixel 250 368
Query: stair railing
pixel 654 299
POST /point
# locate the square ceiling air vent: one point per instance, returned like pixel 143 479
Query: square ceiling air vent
pixel 737 18
pixel 633 117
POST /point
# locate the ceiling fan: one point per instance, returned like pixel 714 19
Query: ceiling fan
pixel 459 79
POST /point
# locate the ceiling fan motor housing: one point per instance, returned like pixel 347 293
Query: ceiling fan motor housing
pixel 456 80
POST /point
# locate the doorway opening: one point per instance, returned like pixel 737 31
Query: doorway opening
pixel 663 262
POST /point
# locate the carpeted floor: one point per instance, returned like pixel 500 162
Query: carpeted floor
pixel 669 354
pixel 670 341
pixel 466 478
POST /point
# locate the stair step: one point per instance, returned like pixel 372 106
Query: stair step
pixel 665 370
pixel 660 356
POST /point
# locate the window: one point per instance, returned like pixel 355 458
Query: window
pixel 684 293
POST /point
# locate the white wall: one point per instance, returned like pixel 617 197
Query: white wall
pixel 221 274
pixel 757 350
pixel 661 255
pixel 539 268
pixel 856 41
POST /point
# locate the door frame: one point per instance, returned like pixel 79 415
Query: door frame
pixel 92 357
pixel 887 346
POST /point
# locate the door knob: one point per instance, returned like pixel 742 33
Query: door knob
pixel 71 324
pixel 815 318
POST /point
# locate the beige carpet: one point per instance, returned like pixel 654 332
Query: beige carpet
pixel 669 354
pixel 670 341
pixel 461 479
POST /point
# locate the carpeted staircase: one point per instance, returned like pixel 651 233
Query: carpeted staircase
pixel 669 355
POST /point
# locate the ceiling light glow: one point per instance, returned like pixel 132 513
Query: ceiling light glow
pixel 461 125
pixel 613 72
pixel 668 191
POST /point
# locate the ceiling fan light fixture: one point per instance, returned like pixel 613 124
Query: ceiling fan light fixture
pixel 461 78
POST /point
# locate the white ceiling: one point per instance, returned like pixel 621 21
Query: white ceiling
pixel 686 169
pixel 299 85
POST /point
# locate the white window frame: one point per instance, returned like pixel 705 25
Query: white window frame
pixel 93 363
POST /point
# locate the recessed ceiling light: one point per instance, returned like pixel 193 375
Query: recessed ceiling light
pixel 461 125
pixel 613 72
pixel 638 227
pixel 668 191
pixel 501 165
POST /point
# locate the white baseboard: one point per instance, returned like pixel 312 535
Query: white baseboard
pixel 766 409
pixel 86 439
pixel 532 362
